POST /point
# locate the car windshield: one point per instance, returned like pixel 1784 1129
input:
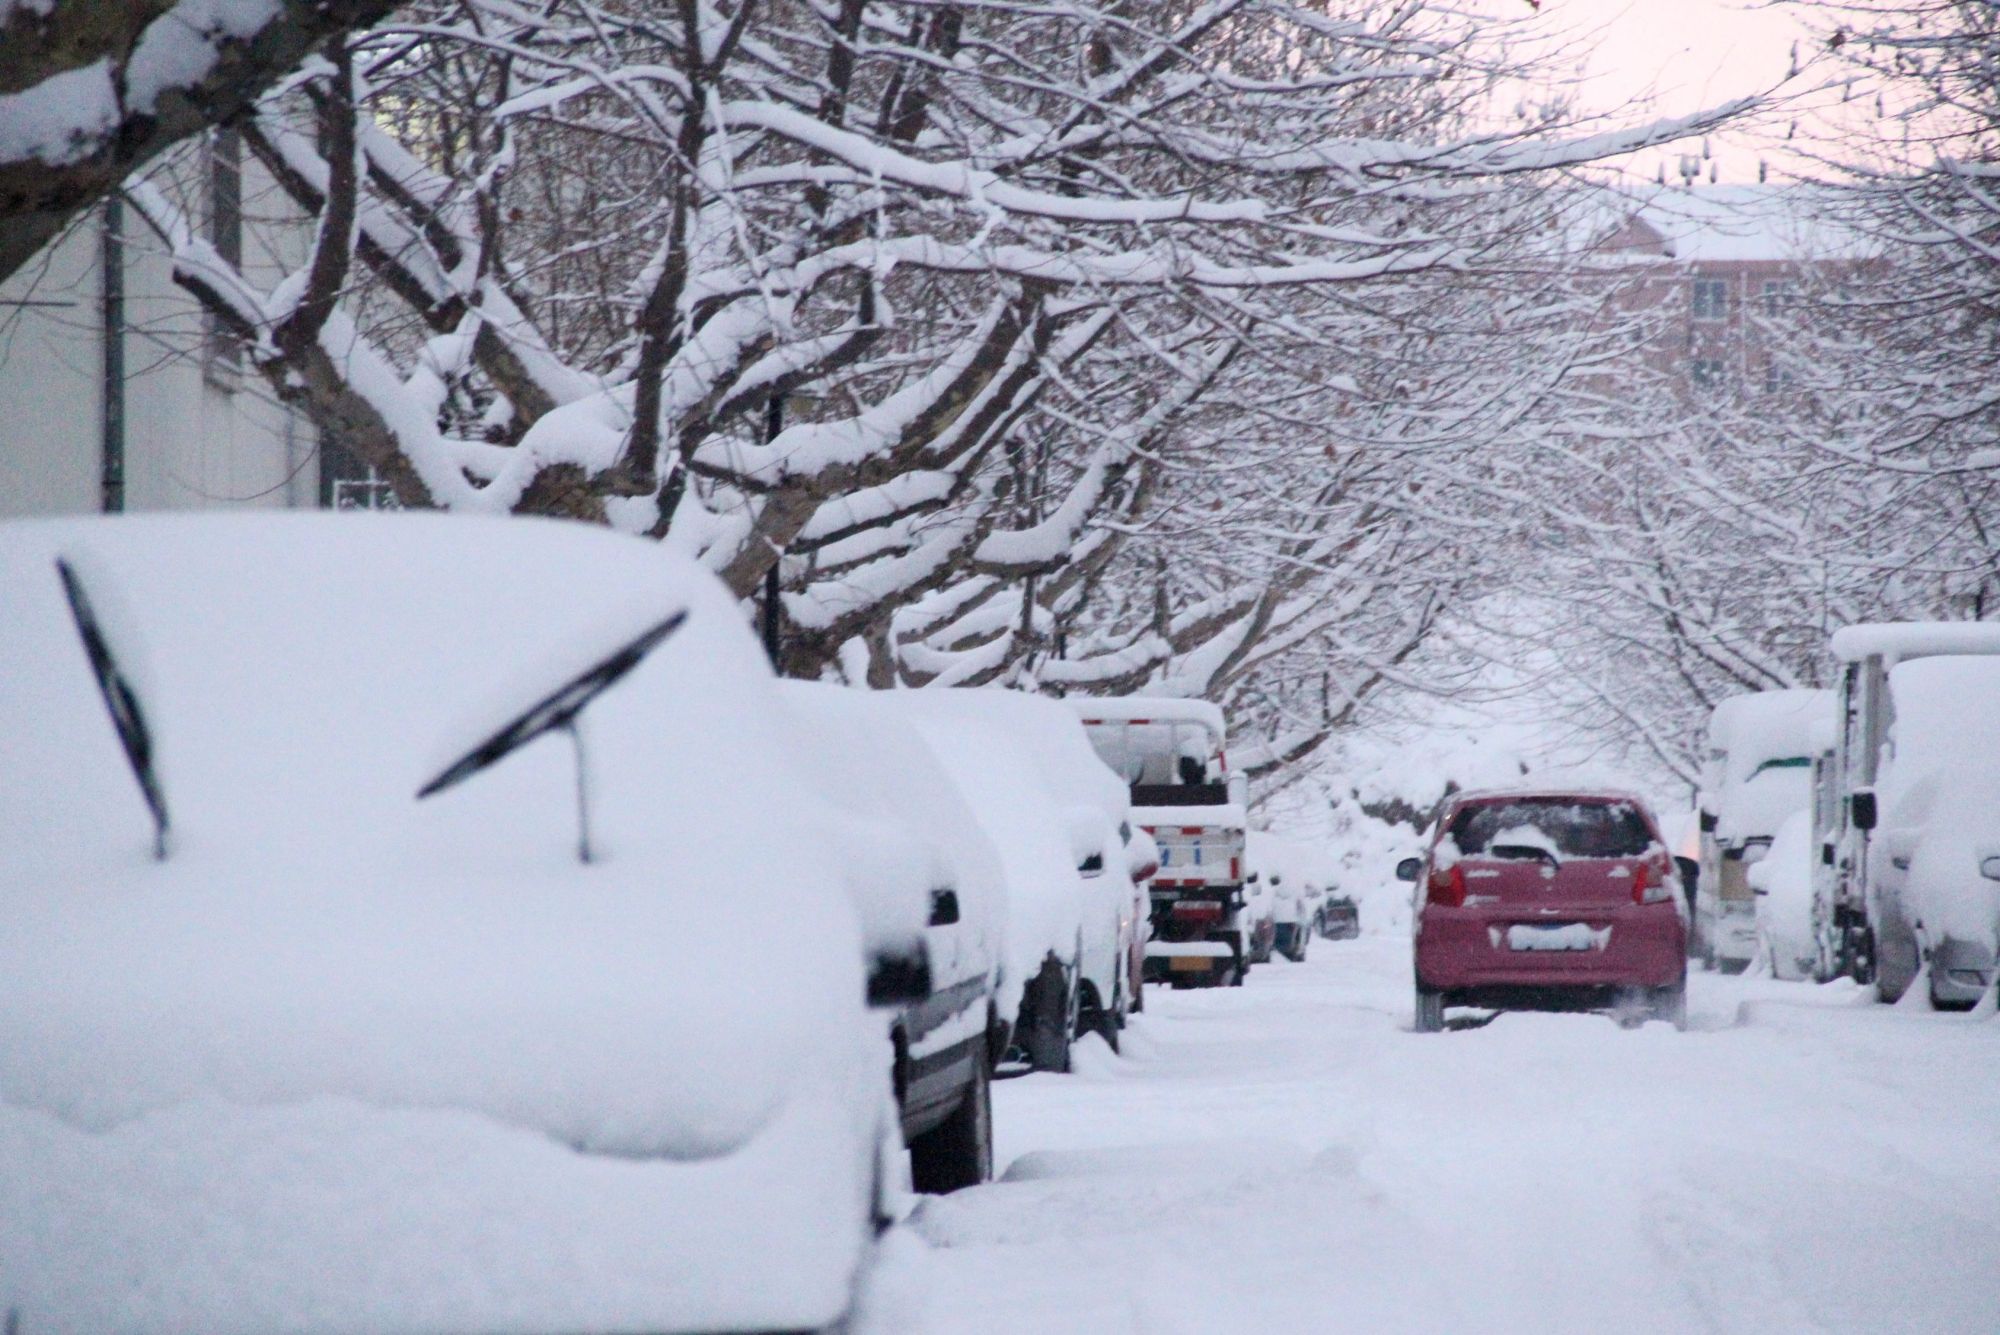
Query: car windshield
pixel 1574 828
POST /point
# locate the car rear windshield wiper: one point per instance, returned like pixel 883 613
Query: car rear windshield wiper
pixel 557 711
pixel 128 718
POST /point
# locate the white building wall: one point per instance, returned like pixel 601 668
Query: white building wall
pixel 194 439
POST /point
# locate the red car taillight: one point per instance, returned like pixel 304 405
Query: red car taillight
pixel 1650 887
pixel 1448 886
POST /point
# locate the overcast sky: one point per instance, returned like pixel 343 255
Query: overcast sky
pixel 1684 54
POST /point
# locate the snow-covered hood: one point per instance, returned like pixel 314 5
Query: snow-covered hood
pixel 315 930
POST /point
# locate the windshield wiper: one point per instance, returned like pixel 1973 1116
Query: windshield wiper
pixel 128 718
pixel 558 711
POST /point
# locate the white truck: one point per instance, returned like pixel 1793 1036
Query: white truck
pixel 1757 772
pixel 1174 755
pixel 1911 846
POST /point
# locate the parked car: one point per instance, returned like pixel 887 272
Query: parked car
pixel 1054 813
pixel 1282 867
pixel 1913 848
pixel 1173 754
pixel 1758 771
pixel 1260 913
pixel 1532 899
pixel 1339 918
pixel 1783 882
pixel 284 1047
pixel 907 833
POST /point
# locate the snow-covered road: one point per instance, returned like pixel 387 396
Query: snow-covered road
pixel 1290 1157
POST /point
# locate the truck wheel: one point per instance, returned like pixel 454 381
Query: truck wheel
pixel 958 1152
pixel 1430 1010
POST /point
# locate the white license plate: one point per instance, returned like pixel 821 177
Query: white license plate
pixel 1568 936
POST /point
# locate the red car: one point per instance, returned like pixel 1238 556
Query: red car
pixel 1542 900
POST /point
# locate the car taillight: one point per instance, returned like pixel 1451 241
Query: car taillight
pixel 1649 888
pixel 1448 886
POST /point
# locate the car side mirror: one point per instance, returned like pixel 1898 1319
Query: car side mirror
pixel 900 978
pixel 1407 869
pixel 1090 866
pixel 944 905
pixel 1709 820
pixel 1861 810
pixel 1826 855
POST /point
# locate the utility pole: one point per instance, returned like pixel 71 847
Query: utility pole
pixel 774 422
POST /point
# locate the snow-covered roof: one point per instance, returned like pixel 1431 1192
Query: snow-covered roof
pixel 1897 640
pixel 1145 709
pixel 1748 730
pixel 1733 224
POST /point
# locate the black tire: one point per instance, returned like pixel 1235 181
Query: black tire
pixel 1044 1032
pixel 1430 1010
pixel 1096 1020
pixel 958 1152
pixel 1300 943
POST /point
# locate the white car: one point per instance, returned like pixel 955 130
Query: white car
pixel 284 1047
pixel 1783 884
pixel 920 850
pixel 1055 813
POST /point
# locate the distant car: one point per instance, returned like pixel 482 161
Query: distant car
pixel 1339 919
pixel 576 1042
pixel 1532 899
pixel 1260 916
pixel 1280 871
pixel 1055 813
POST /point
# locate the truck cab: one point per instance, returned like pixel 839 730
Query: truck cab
pixel 1173 754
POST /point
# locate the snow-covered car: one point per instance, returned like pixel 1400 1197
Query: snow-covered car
pixel 1142 862
pixel 1339 918
pixel 1054 812
pixel 1783 883
pixel 1260 914
pixel 1758 771
pixel 576 1043
pixel 1534 899
pixel 1914 842
pixel 1279 873
pixel 915 839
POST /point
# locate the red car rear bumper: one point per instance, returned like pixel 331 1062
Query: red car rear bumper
pixel 1636 945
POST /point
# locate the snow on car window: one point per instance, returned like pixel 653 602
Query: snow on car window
pixel 1567 827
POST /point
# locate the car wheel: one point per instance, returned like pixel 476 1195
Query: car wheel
pixel 1094 1019
pixel 1299 946
pixel 1430 1010
pixel 1044 1029
pixel 958 1152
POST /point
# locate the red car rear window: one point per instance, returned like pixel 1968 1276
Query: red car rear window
pixel 1577 829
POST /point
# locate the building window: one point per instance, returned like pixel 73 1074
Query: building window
pixel 1777 296
pixel 346 483
pixel 1707 373
pixel 222 160
pixel 1711 298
